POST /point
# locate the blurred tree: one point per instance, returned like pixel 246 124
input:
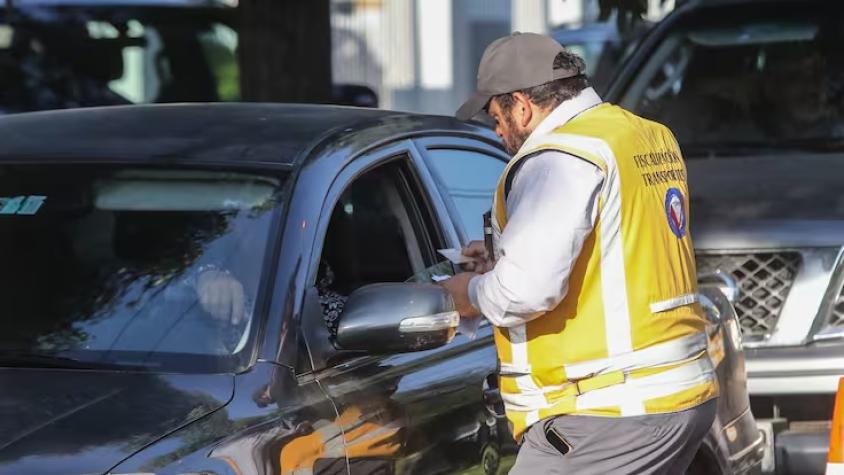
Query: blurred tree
pixel 285 50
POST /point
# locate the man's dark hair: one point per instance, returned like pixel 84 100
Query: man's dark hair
pixel 554 93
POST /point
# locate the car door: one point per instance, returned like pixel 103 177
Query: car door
pixel 421 412
pixel 467 171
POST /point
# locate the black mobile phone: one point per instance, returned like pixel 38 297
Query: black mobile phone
pixel 488 235
pixel 557 440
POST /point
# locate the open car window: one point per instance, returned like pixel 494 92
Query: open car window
pixel 380 231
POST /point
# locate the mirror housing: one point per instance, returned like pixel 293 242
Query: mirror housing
pixel 397 318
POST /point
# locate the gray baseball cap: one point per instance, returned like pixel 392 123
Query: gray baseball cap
pixel 512 63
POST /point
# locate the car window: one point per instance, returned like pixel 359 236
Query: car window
pixel 379 232
pixel 759 82
pixel 469 178
pixel 113 265
pixel 63 58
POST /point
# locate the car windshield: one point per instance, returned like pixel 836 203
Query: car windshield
pixel 55 57
pixel 767 82
pixel 142 268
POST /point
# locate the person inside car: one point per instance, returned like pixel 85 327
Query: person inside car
pixel 330 299
pixel 94 241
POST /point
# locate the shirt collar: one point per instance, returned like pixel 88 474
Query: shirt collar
pixel 566 111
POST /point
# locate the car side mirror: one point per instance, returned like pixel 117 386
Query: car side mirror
pixel 397 318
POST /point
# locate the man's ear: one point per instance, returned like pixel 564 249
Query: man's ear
pixel 522 110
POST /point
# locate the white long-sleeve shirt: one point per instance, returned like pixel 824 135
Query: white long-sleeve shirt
pixel 551 208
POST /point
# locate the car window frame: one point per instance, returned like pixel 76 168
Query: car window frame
pixel 357 167
pixel 425 144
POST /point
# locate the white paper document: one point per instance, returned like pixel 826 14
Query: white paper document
pixel 455 256
pixel 469 327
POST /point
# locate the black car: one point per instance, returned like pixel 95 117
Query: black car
pixel 326 220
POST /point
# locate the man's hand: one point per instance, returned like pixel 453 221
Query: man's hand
pixel 481 264
pixel 458 287
pixel 221 295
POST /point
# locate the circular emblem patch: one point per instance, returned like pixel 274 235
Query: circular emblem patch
pixel 675 211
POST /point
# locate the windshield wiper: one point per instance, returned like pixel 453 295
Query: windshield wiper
pixel 41 360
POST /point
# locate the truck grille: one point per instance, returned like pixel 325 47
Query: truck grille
pixel 836 315
pixel 764 280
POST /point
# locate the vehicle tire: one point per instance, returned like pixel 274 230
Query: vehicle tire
pixel 490 459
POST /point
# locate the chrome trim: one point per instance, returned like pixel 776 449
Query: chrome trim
pixel 713 313
pixel 760 441
pixel 444 216
pixel 796 362
pixel 730 288
pixel 817 333
pixel 789 384
pixel 430 323
pixel 828 334
pixel 803 305
pixel 736 419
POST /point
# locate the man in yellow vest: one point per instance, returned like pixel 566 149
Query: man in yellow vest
pixel 591 288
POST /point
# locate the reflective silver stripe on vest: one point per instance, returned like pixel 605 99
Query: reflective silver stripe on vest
pixel 658 385
pixel 662 354
pixel 655 386
pixel 510 369
pixel 669 304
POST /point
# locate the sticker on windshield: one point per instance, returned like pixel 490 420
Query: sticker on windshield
pixel 675 211
pixel 22 205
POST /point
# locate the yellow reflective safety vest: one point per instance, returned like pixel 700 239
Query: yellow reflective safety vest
pixel 628 339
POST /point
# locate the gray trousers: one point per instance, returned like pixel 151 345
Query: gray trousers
pixel 650 444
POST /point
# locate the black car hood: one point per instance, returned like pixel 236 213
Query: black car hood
pixel 802 187
pixel 74 422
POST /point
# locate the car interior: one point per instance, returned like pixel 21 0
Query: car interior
pixel 103 264
pixel 751 83
pixel 379 232
pixel 371 237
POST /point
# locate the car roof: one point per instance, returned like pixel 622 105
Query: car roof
pixel 222 133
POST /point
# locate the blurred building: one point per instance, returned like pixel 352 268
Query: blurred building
pixel 422 55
